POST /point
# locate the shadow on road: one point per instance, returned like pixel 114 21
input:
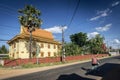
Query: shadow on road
pixel 72 76
pixel 117 58
pixel 103 70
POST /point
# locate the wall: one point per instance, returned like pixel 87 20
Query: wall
pixel 17 62
pixel 23 53
pixel 20 49
pixel 45 49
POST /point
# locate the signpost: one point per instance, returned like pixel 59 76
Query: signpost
pixel 37 53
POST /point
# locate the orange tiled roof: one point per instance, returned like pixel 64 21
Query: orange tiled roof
pixel 38 33
pixel 21 36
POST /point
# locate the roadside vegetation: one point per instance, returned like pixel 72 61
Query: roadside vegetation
pixel 30 65
pixel 80 44
pixel 3 50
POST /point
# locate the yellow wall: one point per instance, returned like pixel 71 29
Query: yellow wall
pixel 19 49
pixel 51 49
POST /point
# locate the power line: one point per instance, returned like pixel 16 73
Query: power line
pixel 6 6
pixel 8 10
pixel 74 13
pixel 73 16
pixel 6 30
pixel 10 27
pixel 8 34
pixel 67 12
pixel 3 40
pixel 4 34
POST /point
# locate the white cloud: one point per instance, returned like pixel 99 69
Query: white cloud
pixel 116 3
pixel 56 29
pixel 104 13
pixel 104 28
pixel 95 18
pixel 91 35
pixel 116 41
pixel 101 14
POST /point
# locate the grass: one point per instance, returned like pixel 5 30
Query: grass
pixel 1 66
pixel 31 65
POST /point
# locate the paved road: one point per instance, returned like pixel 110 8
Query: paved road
pixel 73 72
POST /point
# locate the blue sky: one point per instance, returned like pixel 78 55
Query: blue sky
pixel 91 17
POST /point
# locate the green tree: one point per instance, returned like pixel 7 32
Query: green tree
pixel 96 44
pixel 79 39
pixel 72 49
pixel 30 18
pixel 3 50
pixel 30 15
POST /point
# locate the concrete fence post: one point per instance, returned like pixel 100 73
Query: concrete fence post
pixel 2 62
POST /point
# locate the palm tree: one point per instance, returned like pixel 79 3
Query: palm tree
pixel 30 18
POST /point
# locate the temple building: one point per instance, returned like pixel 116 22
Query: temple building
pixel 43 44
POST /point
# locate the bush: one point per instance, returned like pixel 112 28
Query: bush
pixel 72 49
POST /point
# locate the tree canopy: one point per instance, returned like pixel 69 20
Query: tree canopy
pixel 96 44
pixel 3 50
pixel 79 38
pixel 30 18
pixel 72 49
pixel 82 45
pixel 30 15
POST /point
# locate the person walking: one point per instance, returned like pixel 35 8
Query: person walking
pixel 95 62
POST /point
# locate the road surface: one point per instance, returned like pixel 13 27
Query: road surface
pixel 73 72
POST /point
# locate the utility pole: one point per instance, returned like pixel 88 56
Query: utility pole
pixel 63 49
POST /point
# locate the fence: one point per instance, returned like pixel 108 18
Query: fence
pixel 17 62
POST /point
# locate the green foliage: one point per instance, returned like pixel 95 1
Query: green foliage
pixel 1 66
pixel 95 44
pixel 72 49
pixel 3 50
pixel 79 39
pixel 28 65
pixel 31 65
pixel 30 15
